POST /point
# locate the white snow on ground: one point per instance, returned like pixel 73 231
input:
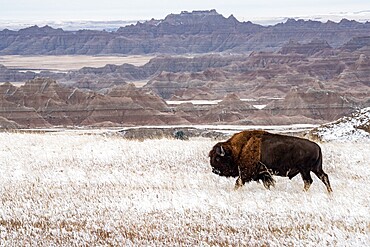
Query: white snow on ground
pixel 194 102
pixel 213 102
pixel 68 188
pixel 259 107
pixel 346 128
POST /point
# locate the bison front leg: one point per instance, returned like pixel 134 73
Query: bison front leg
pixel 244 177
pixel 239 182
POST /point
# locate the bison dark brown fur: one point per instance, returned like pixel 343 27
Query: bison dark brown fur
pixel 257 155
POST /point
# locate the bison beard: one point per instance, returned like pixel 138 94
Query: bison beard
pixel 257 155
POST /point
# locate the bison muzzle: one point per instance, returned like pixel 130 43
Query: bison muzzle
pixel 258 155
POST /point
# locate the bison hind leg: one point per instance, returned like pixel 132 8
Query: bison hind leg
pixel 306 179
pixel 325 179
pixel 292 174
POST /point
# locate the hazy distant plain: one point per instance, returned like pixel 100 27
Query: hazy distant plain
pixel 68 62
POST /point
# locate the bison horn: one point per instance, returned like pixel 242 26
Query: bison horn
pixel 222 151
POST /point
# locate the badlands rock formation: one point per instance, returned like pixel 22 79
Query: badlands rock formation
pixel 298 84
pixel 293 72
pixel 184 33
pixel 44 103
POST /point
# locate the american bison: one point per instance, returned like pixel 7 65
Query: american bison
pixel 257 155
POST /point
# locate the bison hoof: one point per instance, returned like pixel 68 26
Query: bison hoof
pixel 238 183
pixel 236 187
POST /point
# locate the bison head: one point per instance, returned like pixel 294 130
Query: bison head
pixel 222 161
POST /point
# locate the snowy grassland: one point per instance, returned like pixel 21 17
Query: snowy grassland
pixel 79 189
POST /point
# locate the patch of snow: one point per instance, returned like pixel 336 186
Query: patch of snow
pixel 69 97
pixel 346 128
pixel 194 102
pixel 248 100
pixel 259 107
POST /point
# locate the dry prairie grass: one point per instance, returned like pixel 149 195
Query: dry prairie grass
pixel 74 189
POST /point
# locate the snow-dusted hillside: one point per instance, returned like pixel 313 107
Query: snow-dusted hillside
pixel 352 128
pixel 68 188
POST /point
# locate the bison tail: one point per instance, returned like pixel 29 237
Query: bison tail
pixel 319 161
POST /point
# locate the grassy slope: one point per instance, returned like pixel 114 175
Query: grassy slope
pixel 67 188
